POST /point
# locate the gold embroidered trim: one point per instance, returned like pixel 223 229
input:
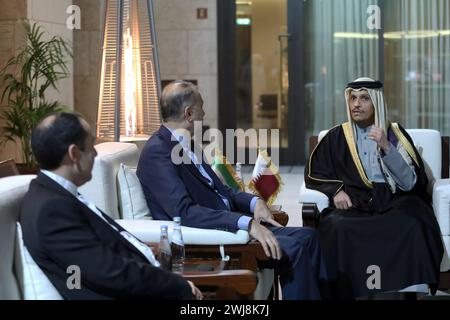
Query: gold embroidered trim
pixel 398 133
pixel 354 152
pixel 340 188
pixel 309 164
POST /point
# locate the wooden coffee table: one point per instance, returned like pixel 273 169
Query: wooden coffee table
pixel 214 275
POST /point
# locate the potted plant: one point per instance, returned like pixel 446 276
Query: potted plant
pixel 36 67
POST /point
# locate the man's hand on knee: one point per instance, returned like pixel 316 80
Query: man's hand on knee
pixel 267 239
pixel 262 214
pixel 342 200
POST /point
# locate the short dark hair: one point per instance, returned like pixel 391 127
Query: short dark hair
pixel 51 138
pixel 176 96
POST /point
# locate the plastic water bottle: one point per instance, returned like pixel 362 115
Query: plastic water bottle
pixel 164 251
pixel 177 246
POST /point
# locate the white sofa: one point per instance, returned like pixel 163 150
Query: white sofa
pixel 428 143
pixel 106 193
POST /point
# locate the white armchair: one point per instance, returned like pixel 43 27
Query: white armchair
pixel 20 276
pixel 114 197
pixel 435 153
pixel 12 191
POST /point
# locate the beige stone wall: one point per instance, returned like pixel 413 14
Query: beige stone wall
pixel 51 14
pixel 11 35
pixel 87 58
pixel 187 47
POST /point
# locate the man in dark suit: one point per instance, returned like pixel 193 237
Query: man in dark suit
pixel 61 229
pixel 190 189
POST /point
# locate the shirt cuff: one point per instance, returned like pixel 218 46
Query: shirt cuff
pixel 243 222
pixel 253 204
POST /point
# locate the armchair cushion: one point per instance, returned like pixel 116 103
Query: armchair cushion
pixel 150 230
pixel 441 206
pixel 428 144
pixel 131 196
pixel 102 189
pixel 35 284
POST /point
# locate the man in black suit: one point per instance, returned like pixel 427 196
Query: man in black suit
pixel 190 189
pixel 62 229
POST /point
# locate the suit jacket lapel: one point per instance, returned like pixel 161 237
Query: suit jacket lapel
pixel 217 182
pixel 193 169
pixel 167 135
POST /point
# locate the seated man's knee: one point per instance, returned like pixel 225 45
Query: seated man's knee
pixel 307 237
pixel 335 222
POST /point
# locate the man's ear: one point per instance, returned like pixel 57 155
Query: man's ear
pixel 73 152
pixel 188 112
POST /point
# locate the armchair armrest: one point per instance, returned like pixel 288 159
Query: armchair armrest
pixel 441 206
pixel 149 231
pixel 313 202
pixel 313 196
pixel 281 217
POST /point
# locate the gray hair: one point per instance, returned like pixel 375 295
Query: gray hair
pixel 175 97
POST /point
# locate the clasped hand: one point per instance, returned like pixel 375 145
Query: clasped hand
pixel 267 239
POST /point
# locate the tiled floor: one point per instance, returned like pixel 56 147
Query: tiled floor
pixel 292 178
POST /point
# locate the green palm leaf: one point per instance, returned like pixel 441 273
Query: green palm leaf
pixel 38 66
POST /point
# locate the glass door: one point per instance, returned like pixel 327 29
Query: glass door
pixel 262 73
pixel 260 85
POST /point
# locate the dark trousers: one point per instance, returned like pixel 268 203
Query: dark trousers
pixel 301 269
